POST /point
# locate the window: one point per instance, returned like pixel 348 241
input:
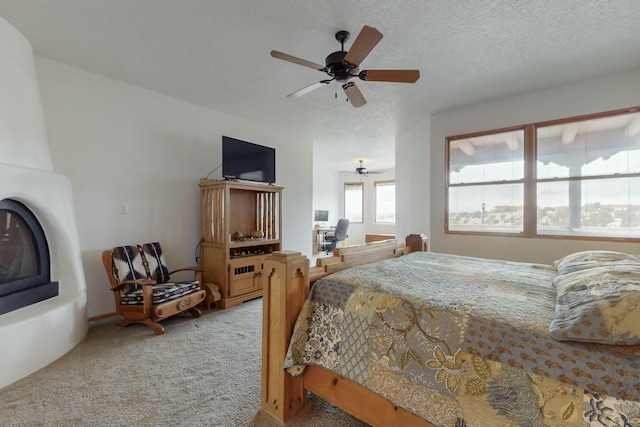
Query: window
pixel 576 177
pixel 353 201
pixel 588 177
pixel 385 194
pixel 486 183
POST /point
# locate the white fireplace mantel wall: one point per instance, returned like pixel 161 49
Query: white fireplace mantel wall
pixel 36 335
pixel 23 135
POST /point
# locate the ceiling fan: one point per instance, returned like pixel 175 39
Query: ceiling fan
pixel 364 171
pixel 343 65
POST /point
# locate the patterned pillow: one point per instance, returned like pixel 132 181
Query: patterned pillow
pixel 139 262
pixel 589 259
pixel 128 263
pixel 155 263
pixel 598 304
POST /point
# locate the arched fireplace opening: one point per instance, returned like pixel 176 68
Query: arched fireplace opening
pixel 25 274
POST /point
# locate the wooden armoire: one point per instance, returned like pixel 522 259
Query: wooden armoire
pixel 240 225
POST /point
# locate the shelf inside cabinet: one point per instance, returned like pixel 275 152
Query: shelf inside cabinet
pixel 251 243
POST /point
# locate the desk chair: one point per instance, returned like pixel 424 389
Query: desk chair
pixel 339 234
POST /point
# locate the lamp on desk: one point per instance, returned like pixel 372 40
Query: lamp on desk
pixel 321 217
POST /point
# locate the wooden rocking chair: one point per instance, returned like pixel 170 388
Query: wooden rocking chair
pixel 142 288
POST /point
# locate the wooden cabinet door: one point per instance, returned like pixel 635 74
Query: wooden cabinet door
pixel 245 275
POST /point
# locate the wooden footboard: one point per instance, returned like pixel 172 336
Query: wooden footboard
pixel 286 289
pixel 289 279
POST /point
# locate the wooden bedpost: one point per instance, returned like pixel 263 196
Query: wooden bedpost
pixel 287 286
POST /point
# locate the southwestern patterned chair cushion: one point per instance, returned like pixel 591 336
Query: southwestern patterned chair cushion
pixel 147 262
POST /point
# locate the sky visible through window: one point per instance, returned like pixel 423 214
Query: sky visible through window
pixel 386 202
pixel 353 194
pixel 498 172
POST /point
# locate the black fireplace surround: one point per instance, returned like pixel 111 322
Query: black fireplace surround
pixel 25 275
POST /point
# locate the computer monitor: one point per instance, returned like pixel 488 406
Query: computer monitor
pixel 321 216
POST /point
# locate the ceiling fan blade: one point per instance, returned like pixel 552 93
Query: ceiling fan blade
pixel 308 89
pixel 399 76
pixel 354 95
pixel 298 61
pixel 367 39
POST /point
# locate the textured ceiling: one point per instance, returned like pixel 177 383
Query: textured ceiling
pixel 215 53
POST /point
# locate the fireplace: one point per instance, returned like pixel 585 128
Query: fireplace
pixel 39 245
pixel 25 276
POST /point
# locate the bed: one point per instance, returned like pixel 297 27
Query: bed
pixel 424 338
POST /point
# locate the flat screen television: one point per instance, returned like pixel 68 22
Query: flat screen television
pixel 248 161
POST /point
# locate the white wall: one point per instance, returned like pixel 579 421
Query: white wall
pixel 325 182
pixel 586 97
pixel 412 181
pixel 125 146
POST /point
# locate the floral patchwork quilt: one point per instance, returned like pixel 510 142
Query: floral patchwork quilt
pixel 462 341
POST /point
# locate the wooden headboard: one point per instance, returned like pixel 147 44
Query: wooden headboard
pixel 356 255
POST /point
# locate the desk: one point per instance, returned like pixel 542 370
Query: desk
pixel 318 239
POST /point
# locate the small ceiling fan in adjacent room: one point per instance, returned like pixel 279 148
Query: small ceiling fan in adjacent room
pixel 342 66
pixel 361 170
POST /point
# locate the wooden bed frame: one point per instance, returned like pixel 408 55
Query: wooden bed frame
pixel 289 279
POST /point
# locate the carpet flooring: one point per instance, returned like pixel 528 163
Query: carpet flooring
pixel 201 372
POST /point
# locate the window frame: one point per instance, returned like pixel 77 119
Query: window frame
pixel 448 185
pixel 375 201
pixel 531 180
pixel 344 199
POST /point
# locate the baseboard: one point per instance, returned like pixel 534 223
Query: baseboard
pixel 101 316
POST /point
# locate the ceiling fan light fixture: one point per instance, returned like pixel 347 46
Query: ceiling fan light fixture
pixel 343 65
